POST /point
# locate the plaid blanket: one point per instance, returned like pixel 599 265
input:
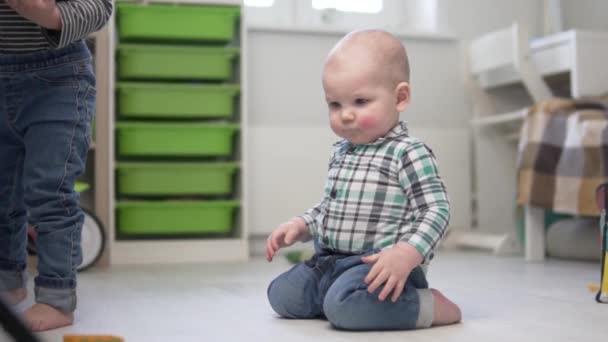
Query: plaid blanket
pixel 563 155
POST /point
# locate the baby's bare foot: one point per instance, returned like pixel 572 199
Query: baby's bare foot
pixel 14 297
pixel 446 312
pixel 41 317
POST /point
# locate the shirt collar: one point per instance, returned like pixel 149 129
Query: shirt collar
pixel 400 130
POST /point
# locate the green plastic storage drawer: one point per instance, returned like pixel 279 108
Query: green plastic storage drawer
pixel 147 139
pixel 175 62
pixel 166 100
pixel 175 179
pixel 175 217
pixel 163 22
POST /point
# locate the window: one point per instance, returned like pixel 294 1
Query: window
pixel 346 15
pixel 361 6
pixel 259 3
pixel 269 13
pixel 421 15
pixel 397 16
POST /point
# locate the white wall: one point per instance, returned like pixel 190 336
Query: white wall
pixel 585 14
pixel 470 18
pixel 285 80
pixel 289 135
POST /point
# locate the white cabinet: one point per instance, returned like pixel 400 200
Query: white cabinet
pixel 200 249
pixel 574 59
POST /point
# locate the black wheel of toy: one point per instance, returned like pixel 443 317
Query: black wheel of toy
pixel 93 240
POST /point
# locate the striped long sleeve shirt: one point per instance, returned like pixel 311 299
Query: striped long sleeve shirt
pixel 79 19
pixel 379 194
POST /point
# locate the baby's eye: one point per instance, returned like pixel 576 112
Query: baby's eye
pixel 361 101
pixel 334 105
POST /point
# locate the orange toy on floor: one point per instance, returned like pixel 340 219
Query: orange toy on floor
pixel 92 338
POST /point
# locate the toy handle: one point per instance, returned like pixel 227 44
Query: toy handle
pixel 602 197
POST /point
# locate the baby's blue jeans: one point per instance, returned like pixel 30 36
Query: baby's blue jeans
pixel 47 102
pixel 332 286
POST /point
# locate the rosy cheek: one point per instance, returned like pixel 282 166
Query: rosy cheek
pixel 367 122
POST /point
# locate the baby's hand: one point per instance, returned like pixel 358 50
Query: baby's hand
pixel 42 12
pixel 392 267
pixel 286 235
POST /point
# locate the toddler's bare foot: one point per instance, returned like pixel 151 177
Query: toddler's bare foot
pixel 14 297
pixel 446 312
pixel 42 317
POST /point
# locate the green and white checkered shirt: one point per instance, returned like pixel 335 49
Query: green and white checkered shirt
pixel 380 193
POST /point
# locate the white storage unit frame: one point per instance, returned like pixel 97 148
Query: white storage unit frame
pixel 157 251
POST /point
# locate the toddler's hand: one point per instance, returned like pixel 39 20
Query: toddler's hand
pixel 286 235
pixel 392 267
pixel 42 12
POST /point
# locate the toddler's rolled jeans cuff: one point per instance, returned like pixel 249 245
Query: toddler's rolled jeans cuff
pixel 427 308
pixel 63 300
pixel 58 293
pixel 11 280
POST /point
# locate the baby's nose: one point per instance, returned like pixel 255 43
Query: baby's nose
pixel 347 115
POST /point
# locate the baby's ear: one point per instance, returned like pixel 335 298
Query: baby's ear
pixel 403 96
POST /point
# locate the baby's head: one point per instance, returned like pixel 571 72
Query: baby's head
pixel 366 83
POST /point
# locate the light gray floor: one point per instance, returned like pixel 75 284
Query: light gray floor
pixel 503 299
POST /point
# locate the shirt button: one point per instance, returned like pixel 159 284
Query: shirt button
pixel 333 193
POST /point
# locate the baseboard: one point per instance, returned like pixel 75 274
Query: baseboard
pixel 495 243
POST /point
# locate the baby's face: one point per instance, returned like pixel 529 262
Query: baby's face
pixel 362 101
